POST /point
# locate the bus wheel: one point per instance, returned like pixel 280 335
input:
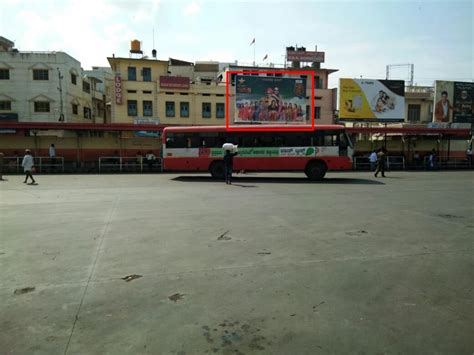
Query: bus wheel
pixel 217 169
pixel 315 170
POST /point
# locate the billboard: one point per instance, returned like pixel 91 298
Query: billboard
pixel 305 56
pixel 372 100
pixel 454 102
pixel 270 100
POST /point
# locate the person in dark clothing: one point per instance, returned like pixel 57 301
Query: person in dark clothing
pixel 381 162
pixel 228 166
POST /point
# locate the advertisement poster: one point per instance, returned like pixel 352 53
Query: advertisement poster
pixel 262 152
pixel 453 102
pixel 372 100
pixel 270 100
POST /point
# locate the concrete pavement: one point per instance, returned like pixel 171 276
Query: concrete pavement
pixel 274 264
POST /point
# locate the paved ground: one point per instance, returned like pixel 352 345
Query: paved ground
pixel 271 265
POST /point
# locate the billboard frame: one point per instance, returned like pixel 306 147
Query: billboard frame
pixel 268 128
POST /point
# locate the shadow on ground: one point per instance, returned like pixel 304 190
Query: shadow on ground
pixel 278 180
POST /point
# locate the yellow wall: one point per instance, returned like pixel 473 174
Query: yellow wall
pixel 425 106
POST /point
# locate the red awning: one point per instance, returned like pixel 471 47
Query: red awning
pixel 417 131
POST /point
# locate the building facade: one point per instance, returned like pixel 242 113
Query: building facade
pixel 177 92
pixel 45 87
pixel 167 92
pixel 419 104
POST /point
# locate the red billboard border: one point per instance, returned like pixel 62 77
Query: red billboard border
pixel 268 128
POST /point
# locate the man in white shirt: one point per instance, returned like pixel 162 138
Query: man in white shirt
pixel 28 165
pixel 52 156
pixel 373 160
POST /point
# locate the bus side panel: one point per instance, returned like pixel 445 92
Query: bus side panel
pixel 289 164
pixel 256 164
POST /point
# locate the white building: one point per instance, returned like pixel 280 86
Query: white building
pixel 45 87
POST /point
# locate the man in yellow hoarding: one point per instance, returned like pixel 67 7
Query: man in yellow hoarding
pixel 443 108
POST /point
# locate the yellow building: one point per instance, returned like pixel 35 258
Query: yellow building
pixel 146 91
pixel 419 104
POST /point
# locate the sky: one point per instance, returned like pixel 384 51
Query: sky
pixel 360 37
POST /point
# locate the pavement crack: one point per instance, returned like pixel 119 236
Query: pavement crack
pixel 105 229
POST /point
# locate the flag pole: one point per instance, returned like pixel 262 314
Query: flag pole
pixel 254 53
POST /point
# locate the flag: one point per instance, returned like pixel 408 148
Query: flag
pixel 266 56
pixel 253 42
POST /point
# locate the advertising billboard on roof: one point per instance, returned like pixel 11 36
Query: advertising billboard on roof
pixel 372 100
pixel 453 102
pixel 270 100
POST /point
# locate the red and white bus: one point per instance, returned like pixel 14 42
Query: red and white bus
pixel 195 148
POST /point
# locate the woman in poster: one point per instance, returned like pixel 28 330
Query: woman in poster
pixel 295 112
pixel 272 111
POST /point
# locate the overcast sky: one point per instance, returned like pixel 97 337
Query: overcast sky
pixel 359 37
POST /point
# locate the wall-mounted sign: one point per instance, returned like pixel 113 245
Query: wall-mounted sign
pixel 118 89
pixel 174 82
pixel 300 56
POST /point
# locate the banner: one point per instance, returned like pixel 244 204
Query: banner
pixel 372 100
pixel 453 102
pixel 270 100
pixel 262 152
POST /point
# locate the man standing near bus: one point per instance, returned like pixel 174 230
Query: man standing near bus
pixel 228 166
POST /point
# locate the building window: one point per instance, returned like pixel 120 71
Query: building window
pixel 220 110
pixel 40 74
pixel 5 105
pixel 184 109
pixel 318 82
pixel 414 113
pixel 132 73
pixel 86 87
pixel 75 109
pixel 147 108
pixel 4 74
pixel 206 110
pixel 132 91
pixel 74 79
pixel 87 113
pixel 146 91
pixel 169 109
pixel 317 113
pixel 132 107
pixel 146 72
pixel 42 106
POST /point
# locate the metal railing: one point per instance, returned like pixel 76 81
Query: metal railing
pixel 129 164
pixel 42 164
pixel 452 163
pixel 391 162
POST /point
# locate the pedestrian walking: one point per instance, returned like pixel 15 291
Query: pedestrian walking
pixel 373 160
pixel 228 163
pixel 52 156
pixel 432 160
pixel 1 166
pixel 381 155
pixel 28 167
pixel 469 156
pixel 150 160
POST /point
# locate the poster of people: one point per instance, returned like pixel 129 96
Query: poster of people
pixel 270 100
pixel 372 100
pixel 454 102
